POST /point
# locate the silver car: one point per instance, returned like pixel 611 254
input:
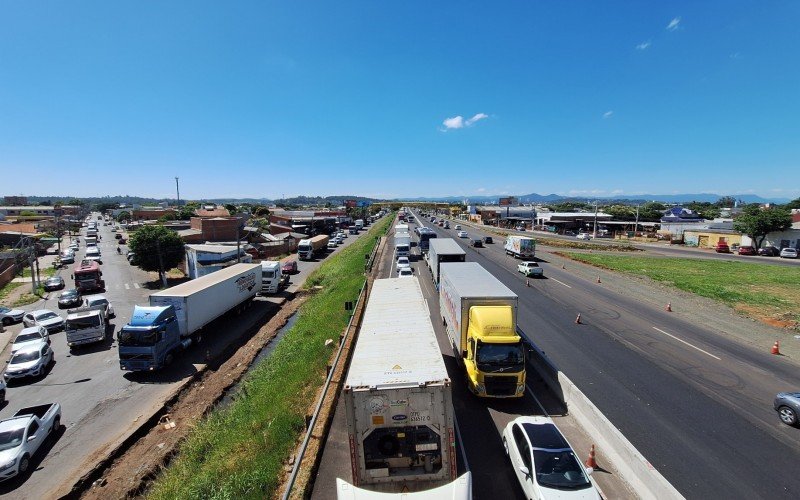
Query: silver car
pixel 28 337
pixel 44 317
pixel 787 404
pixel 8 316
pixel 32 361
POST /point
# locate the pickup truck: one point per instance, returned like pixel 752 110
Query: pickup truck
pixel 22 435
pixel 531 269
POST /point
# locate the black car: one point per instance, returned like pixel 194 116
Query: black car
pixel 488 240
pixel 769 251
pixel 54 283
pixel 69 298
pixel 476 242
pixel 787 404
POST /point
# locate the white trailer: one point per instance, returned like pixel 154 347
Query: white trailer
pixel 397 395
pixel 442 250
pixel 200 301
pixel 521 247
pixel 402 244
pixel 460 489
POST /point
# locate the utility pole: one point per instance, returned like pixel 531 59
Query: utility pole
pixel 238 256
pixel 178 191
pixel 636 228
pixel 594 233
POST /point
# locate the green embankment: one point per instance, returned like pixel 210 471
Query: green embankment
pixel 239 451
pixel 763 291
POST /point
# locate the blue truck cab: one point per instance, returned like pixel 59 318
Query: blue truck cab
pixel 149 340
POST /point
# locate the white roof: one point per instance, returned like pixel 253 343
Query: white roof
pixel 190 287
pixel 396 345
pixel 470 279
pixel 445 245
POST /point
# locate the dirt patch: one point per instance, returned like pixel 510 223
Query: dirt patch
pixel 130 473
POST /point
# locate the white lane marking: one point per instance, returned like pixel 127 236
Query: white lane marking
pixel 460 443
pixel 557 281
pixel 690 345
pixel 127 286
pixel 136 285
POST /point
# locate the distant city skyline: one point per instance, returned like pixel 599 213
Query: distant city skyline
pixel 266 99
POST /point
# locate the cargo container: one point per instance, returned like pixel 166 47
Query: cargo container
pixel 480 316
pixel 176 316
pixel 442 250
pixel 402 244
pixel 520 247
pixel 312 247
pixel 397 395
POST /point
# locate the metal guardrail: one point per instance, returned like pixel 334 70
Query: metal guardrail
pixel 315 415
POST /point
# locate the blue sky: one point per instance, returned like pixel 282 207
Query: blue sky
pixel 385 99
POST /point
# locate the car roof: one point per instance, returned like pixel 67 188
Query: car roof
pixel 33 346
pixel 41 311
pixel 29 329
pixel 95 298
pixel 543 433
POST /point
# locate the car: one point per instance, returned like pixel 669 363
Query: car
pixel 462 234
pixel 69 298
pixel 458 227
pixel 102 301
pixel 789 253
pixel 44 317
pixel 446 225
pixel 8 316
pixel 342 234
pixel 118 236
pixel 584 236
pixel 748 250
pixel 339 240
pixel 289 267
pixel 769 251
pixel 441 223
pixel 403 263
pixel 488 240
pixel 68 258
pixel 722 247
pixel 131 256
pixel 353 230
pixel 32 361
pixel 405 272
pixel 332 244
pixel 787 404
pixel 476 242
pixel 29 336
pixel 54 282
pixel 122 240
pixel 544 462
pixel 530 269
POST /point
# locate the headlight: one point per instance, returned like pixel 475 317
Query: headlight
pixel 8 465
pixel 480 388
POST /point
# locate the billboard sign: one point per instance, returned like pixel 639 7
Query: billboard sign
pixel 508 202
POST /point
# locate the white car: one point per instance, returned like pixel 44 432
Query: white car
pixel 44 317
pixel 28 337
pixel 32 361
pixel 529 268
pixel 458 227
pixel 403 263
pixel 789 253
pixel 332 244
pixel 544 463
pixel 405 272
pixel 8 316
pixel 342 234
pixel 584 236
pixel 462 234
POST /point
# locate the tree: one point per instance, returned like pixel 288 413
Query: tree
pixel 76 202
pixel 725 202
pixel 621 212
pixel 157 249
pixel 261 211
pixel 651 211
pixel 794 204
pixel 124 215
pixel 231 208
pixel 186 212
pixel 756 222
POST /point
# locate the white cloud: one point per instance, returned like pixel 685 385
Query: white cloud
pixel 481 190
pixel 643 45
pixel 608 114
pixel 735 55
pixel 674 24
pixel 457 122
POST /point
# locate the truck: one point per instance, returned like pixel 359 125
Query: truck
pixel 521 247
pixel 359 223
pixel 442 250
pixel 397 395
pixel 401 228
pixel 271 276
pixel 88 276
pixel 176 316
pixel 480 317
pixel 402 244
pixel 91 240
pixel 309 248
pixel 23 434
pixel 85 325
pixel 460 489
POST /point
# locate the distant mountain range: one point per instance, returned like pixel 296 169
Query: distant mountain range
pixel 641 198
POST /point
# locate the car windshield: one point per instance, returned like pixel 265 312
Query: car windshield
pixel 27 337
pixel 46 316
pixel 559 469
pixel 24 357
pixel 69 293
pixel 11 439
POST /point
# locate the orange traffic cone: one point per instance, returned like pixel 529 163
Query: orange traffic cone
pixel 669 307
pixel 578 319
pixel 598 278
pixel 776 348
pixel 591 462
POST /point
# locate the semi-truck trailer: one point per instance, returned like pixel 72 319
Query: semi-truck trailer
pixel 520 247
pixel 397 395
pixel 460 489
pixel 176 316
pixel 311 247
pixel 402 244
pixel 480 316
pixel 442 250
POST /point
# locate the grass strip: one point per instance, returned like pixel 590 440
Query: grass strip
pixel 759 290
pixel 239 451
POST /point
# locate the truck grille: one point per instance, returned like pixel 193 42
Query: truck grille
pixel 500 386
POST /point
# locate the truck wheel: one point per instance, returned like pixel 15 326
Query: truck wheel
pixel 24 462
pixel 168 359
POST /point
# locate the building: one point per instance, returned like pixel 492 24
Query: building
pixel 709 237
pixel 36 210
pixel 206 259
pixel 213 229
pixel 309 222
pixel 782 239
pixel 151 213
pixel 209 211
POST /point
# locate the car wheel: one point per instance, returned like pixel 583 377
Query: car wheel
pixel 787 415
pixel 56 425
pixel 6 321
pixel 24 462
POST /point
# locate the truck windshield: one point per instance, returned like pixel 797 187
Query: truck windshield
pixel 11 439
pixel 138 338
pixel 84 322
pixel 500 357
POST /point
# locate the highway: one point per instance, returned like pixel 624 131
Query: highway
pixel 696 404
pixel 101 404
